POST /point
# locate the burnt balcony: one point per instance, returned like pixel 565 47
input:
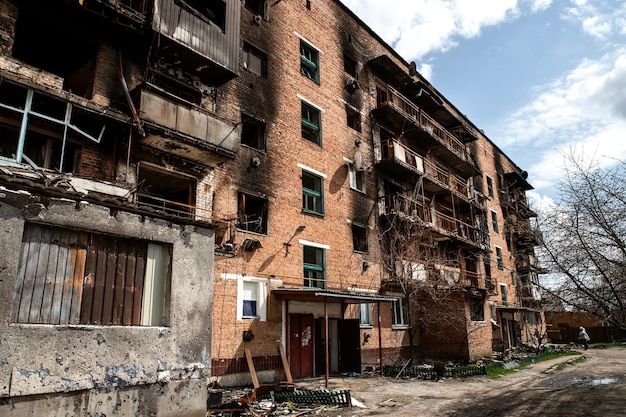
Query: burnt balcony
pixel 405 116
pixel 125 11
pixel 186 131
pixel 399 159
pixel 440 225
pixel 515 200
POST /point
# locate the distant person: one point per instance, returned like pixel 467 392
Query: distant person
pixel 583 337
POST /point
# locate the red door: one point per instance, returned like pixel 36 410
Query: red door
pixel 301 345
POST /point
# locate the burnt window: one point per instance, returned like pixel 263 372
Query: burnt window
pixel 258 7
pixel 252 133
pixel 477 308
pixel 167 191
pixel 210 11
pixel 353 118
pixel 90 278
pixel 489 186
pixel 349 66
pixel 60 51
pixel 252 213
pixel 309 61
pixel 254 60
pixel 359 238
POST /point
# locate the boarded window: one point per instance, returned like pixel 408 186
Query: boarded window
pixel 76 277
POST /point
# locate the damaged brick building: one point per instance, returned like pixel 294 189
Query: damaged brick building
pixel 191 188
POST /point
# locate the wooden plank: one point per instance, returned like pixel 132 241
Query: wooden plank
pixel 100 279
pixel 120 281
pixel 109 286
pixel 78 275
pixel 255 379
pixel 140 272
pixel 129 288
pixel 283 357
pixel 50 278
pixel 89 283
pixel 39 276
pixel 21 281
pixel 60 275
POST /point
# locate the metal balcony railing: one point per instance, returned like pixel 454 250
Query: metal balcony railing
pixel 390 97
pixel 172 208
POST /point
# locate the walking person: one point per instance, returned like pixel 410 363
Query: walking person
pixel 583 337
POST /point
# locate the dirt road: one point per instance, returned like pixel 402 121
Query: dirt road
pixel 594 386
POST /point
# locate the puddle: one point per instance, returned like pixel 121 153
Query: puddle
pixel 604 381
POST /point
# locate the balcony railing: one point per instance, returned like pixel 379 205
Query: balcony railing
pixel 442 223
pixel 172 208
pixel 390 97
pixel 392 150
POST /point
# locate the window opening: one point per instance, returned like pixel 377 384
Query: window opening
pixel 489 186
pixel 499 257
pixel 309 61
pixel 400 310
pixel 359 238
pixel 254 60
pixel 166 190
pixel 312 193
pixel 250 297
pixel 257 6
pixel 252 132
pixel 365 315
pixel 477 308
pixel 314 268
pixel 353 118
pixel 494 221
pixel 503 294
pixel 349 66
pixel 357 178
pixel 213 11
pixel 252 213
pixel 311 123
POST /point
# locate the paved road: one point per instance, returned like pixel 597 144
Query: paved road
pixel 594 386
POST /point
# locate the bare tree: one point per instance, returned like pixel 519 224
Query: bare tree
pixel 584 239
pixel 436 300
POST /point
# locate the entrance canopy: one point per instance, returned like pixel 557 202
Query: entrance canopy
pixel 329 296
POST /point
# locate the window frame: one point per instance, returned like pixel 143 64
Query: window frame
pixel 317 268
pixel 309 61
pixel 350 66
pixel 353 119
pixel 499 258
pixel 357 178
pixel 251 51
pixel 359 237
pixel 261 296
pixel 312 199
pixel 365 315
pixel 494 221
pixel 246 206
pixel 399 311
pixel 248 124
pixel 477 309
pixel 489 186
pixel 311 129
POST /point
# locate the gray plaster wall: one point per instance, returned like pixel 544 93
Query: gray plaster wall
pixel 39 360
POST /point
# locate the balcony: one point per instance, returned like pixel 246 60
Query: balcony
pixel 396 110
pixel 400 159
pixel 440 225
pixel 186 132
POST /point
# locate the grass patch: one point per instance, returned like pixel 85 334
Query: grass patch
pixel 499 371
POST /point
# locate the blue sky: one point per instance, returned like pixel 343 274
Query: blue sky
pixel 540 77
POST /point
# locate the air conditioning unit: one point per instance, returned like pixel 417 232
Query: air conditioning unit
pixel 257 19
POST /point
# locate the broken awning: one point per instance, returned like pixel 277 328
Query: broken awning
pixel 330 296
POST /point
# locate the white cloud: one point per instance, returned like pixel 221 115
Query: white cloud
pixel 598 18
pixel 415 28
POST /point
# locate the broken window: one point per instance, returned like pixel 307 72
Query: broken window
pixel 252 132
pixel 314 267
pixel 499 257
pixel 258 7
pixel 213 11
pixel 357 178
pixel 364 312
pixel 42 130
pixel 477 308
pixel 503 294
pixel 168 86
pixel 494 221
pixel 59 51
pixel 353 118
pixel 77 277
pixel 312 193
pixel 488 282
pixel 254 60
pixel 311 123
pixel 359 238
pixel 349 66
pixel 400 310
pixel 164 190
pixel 309 61
pixel 252 213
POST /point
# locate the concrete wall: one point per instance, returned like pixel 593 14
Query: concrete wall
pixel 96 370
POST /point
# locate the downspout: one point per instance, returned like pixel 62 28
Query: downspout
pixel 326 340
pixel 380 339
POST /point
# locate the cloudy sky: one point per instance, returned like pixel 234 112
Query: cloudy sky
pixel 540 77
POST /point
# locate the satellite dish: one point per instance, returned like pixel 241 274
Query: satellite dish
pixel 358 160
